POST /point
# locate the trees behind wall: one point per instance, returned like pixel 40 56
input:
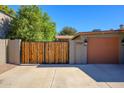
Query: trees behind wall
pixel 31 24
pixel 68 31
pixel 7 10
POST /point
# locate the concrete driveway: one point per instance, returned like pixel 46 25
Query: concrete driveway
pixel 64 76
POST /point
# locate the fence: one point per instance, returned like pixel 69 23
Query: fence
pixel 3 50
pixel 10 51
pixel 73 52
pixel 45 52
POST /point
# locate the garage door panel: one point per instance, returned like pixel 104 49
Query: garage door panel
pixel 103 50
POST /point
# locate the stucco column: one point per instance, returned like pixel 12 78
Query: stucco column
pixel 71 52
pixel 3 50
pixel 14 51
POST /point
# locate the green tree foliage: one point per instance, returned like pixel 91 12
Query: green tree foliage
pixel 96 30
pixel 68 31
pixel 31 24
pixel 48 28
pixel 7 10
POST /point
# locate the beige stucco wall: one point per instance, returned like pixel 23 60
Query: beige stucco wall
pixel 78 52
pixel 121 50
pixel 14 51
pixel 3 51
pixel 71 52
pixel 122 55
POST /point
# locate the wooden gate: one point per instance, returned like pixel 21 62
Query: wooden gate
pixel 45 52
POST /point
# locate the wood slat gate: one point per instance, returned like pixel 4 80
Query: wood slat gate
pixel 45 52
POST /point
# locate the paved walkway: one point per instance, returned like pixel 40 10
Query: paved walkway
pixel 64 76
pixel 6 67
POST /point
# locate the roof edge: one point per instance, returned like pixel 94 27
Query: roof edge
pixel 100 32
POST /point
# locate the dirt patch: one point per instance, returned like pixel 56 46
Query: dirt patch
pixel 6 67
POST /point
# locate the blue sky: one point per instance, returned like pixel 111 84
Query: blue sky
pixel 84 18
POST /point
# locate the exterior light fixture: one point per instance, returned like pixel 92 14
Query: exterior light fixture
pixel 85 42
pixel 122 42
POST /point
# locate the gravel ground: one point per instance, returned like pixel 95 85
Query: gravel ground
pixel 6 67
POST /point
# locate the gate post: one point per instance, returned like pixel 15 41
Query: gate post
pixel 71 52
pixel 14 47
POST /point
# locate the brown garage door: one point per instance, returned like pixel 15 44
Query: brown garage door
pixel 103 50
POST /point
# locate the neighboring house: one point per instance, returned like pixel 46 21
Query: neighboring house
pixel 103 47
pixel 4 23
pixel 63 38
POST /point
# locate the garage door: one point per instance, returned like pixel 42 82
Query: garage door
pixel 103 50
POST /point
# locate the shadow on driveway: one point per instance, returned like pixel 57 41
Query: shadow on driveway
pixel 98 72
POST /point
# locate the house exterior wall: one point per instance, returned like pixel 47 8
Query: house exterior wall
pixel 81 38
pixel 121 49
pixel 78 52
pixel 4 24
pixel 122 55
